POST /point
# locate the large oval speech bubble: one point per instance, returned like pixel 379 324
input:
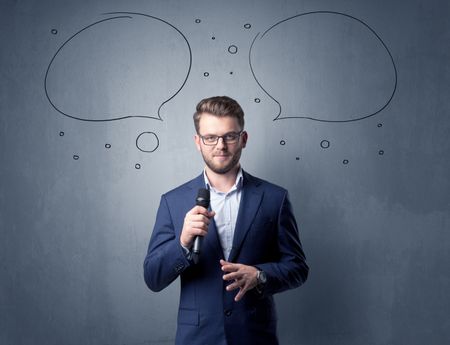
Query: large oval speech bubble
pixel 324 66
pixel 126 65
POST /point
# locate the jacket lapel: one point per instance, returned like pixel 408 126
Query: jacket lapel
pixel 250 201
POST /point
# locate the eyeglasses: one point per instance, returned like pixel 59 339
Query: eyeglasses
pixel 229 138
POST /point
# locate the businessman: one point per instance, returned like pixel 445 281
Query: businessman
pixel 250 245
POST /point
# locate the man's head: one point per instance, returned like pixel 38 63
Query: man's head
pixel 219 106
pixel 219 122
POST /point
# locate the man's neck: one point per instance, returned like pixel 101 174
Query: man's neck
pixel 222 182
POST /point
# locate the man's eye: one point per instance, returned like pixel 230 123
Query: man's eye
pixel 230 136
pixel 210 138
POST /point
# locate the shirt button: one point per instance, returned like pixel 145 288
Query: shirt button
pixel 227 312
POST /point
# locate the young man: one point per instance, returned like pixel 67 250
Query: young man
pixel 250 249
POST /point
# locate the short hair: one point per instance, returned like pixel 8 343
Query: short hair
pixel 219 106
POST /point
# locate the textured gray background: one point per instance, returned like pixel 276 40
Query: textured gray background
pixel 73 233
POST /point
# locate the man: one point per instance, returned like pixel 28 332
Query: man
pixel 250 248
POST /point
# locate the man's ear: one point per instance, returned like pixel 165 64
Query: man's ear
pixel 244 138
pixel 197 141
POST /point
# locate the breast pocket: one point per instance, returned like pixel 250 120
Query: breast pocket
pixel 263 227
pixel 262 235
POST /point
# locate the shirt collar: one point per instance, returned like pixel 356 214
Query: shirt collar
pixel 237 184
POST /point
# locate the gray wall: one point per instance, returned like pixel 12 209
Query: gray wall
pixel 348 108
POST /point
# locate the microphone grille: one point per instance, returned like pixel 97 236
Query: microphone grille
pixel 203 197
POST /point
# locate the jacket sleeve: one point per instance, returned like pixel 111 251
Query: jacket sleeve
pixel 290 270
pixel 165 258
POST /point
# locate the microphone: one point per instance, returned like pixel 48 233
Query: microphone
pixel 202 199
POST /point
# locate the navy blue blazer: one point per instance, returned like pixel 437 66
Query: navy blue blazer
pixel 266 236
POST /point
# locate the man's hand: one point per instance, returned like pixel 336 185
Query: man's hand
pixel 243 277
pixel 195 223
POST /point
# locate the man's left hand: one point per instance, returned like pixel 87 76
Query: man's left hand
pixel 244 277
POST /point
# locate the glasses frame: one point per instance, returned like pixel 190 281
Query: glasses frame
pixel 223 138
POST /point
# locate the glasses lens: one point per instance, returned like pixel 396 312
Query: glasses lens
pixel 230 137
pixel 210 139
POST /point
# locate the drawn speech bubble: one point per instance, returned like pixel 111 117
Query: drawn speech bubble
pixel 126 65
pixel 324 66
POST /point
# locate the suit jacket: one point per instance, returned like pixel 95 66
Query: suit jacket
pixel 266 236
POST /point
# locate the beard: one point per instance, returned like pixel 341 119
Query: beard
pixel 225 167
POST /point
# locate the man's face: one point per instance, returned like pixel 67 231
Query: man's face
pixel 221 157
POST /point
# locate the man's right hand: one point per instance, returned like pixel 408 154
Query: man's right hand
pixel 195 223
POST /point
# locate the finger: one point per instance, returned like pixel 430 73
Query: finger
pixel 232 276
pixel 197 232
pixel 198 218
pixel 200 210
pixel 233 286
pixel 240 294
pixel 228 266
pixel 198 225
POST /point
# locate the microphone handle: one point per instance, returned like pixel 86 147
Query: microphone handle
pixel 202 200
pixel 197 244
pixel 196 248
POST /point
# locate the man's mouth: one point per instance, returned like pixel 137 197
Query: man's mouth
pixel 221 156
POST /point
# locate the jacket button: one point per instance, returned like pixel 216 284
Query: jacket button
pixel 227 312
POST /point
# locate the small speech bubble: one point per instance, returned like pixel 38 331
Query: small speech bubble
pixel 147 142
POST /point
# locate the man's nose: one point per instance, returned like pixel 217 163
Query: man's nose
pixel 221 143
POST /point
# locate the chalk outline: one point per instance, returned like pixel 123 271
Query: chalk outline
pixel 325 144
pixel 157 142
pixel 233 49
pixel 308 117
pixel 104 20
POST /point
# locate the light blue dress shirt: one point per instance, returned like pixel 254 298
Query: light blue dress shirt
pixel 226 206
